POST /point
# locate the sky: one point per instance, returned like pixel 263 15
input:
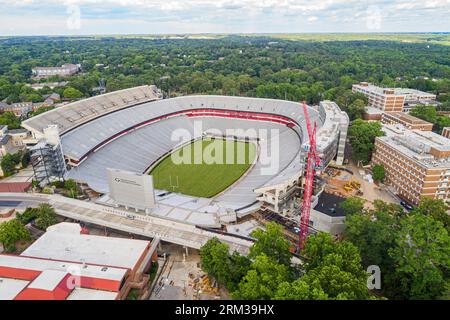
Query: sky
pixel 88 17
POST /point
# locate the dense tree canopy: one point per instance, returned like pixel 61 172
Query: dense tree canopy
pixel 46 216
pixel 72 93
pixel 226 268
pixel 378 172
pixel 362 136
pixel 411 249
pixel 10 161
pixel 435 208
pixel 271 243
pixel 9 119
pixel 233 65
pixel 331 270
pixel 335 268
pixel 10 232
pixel 421 258
pixel 262 280
pixel 429 113
pixel 352 205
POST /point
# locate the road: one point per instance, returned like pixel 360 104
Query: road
pixel 17 201
pixel 114 218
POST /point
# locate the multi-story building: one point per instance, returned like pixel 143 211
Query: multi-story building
pixel 67 69
pixel 393 99
pixel 51 85
pixel 67 264
pixel 406 120
pixel 384 99
pixel 412 95
pixel 19 108
pixel 417 163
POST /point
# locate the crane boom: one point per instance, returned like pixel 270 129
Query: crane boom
pixel 313 162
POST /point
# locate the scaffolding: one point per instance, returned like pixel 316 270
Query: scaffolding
pixel 48 163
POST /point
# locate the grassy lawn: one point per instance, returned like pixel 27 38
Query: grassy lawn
pixel 197 175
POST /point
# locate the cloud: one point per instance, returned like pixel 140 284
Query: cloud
pixel 188 16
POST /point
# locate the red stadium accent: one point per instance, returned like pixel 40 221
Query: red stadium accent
pixel 220 113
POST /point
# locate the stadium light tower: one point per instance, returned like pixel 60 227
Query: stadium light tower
pixel 313 164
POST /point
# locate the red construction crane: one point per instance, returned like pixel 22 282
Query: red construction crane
pixel 312 164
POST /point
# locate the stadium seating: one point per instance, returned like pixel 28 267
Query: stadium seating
pixel 75 114
pixel 134 138
pixel 137 150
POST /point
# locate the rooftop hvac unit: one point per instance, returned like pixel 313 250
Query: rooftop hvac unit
pixel 413 145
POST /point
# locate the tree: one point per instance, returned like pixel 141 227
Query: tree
pixel 12 231
pixel 332 278
pixel 72 93
pixel 227 269
pixel 334 267
pixel 429 113
pixel 46 216
pixel 352 205
pixel 425 112
pixel 40 110
pixel 435 208
pixel 378 172
pixel 299 290
pixel 9 163
pixel 356 109
pixel 408 248
pixel 28 215
pixel 71 186
pixel 26 157
pixel 421 258
pixel 272 243
pixel 373 233
pixel 362 136
pixel 262 280
pixel 9 119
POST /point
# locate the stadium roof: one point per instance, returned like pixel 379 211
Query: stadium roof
pixel 138 133
pixel 75 114
pixel 133 139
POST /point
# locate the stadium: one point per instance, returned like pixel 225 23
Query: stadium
pixel 133 130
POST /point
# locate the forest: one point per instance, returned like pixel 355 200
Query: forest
pixel 254 66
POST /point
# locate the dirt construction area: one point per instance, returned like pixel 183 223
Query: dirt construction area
pixel 181 278
pixel 354 181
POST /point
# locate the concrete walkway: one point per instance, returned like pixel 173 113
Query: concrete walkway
pixel 149 226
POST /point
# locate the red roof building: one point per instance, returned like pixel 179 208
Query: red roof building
pixel 69 265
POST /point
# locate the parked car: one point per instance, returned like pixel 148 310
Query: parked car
pixel 406 205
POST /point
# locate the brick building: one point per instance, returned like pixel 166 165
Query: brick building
pixel 383 99
pixel 417 163
pixel 406 120
pixel 393 99
pixel 67 69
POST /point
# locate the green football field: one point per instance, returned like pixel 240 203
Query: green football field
pixel 207 167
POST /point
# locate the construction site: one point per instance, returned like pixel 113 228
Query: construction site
pixel 342 182
pixel 180 277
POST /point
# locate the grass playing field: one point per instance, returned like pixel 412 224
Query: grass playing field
pixel 198 175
